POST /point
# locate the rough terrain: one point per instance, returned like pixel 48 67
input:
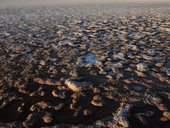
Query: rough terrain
pixel 85 66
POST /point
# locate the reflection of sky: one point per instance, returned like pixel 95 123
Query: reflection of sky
pixel 90 58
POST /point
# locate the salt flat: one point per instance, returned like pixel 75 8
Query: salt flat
pixel 77 64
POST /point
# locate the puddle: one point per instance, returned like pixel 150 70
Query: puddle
pixel 91 45
pixel 137 88
pixel 53 54
pixel 167 65
pixel 90 58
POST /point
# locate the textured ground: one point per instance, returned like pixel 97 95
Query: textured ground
pixel 85 66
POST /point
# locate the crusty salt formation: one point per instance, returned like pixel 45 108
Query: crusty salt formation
pixel 91 66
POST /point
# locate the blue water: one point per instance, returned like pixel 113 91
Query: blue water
pixel 90 58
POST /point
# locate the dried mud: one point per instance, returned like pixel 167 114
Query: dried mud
pixel 83 67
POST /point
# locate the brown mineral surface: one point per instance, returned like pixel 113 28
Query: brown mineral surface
pixel 85 66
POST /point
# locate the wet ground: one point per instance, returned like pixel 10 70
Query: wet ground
pixel 85 66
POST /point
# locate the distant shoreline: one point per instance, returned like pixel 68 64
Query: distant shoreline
pixel 41 3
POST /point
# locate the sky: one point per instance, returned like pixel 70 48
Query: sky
pixel 8 3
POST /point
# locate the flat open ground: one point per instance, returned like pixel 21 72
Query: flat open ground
pixel 85 65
